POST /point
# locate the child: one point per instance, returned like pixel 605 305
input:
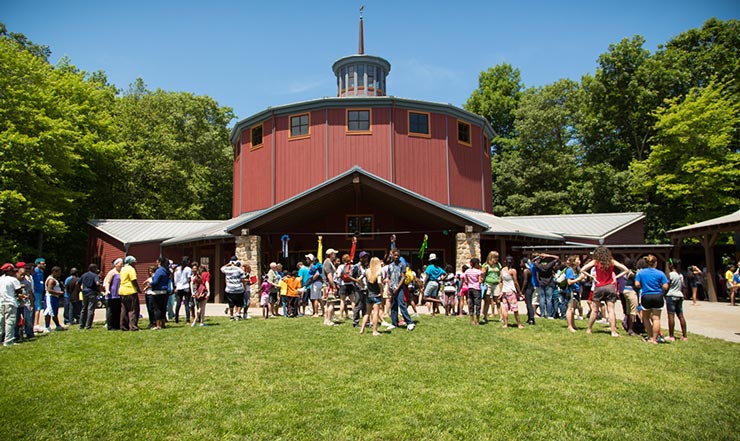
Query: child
pixel 510 292
pixel 449 290
pixel 462 293
pixel 265 297
pixel 472 278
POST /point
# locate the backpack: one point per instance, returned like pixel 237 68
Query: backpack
pixel 347 272
pixel 409 276
pixel 561 279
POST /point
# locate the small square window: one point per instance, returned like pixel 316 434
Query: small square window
pixel 463 132
pixel 419 123
pixel 299 125
pixel 362 224
pixel 358 120
pixel 256 136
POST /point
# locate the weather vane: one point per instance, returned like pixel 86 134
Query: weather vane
pixel 362 8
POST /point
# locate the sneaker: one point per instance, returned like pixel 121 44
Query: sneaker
pixel 238 318
pixel 202 325
pixel 411 327
pixel 389 327
pixel 46 330
pixel 385 323
pixel 193 325
pixel 232 318
pixel 61 328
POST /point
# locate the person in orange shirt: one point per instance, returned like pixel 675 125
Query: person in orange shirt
pixel 291 284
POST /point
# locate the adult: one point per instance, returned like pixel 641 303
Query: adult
pixel 372 281
pixel 159 287
pixel 652 284
pixel 546 280
pixel 182 289
pixel 492 285
pixel 361 305
pixel 434 276
pixel 346 286
pixel 330 286
pixel 72 302
pixel 273 278
pixel 234 287
pixel 396 275
pixel 39 293
pixel 10 289
pixel 202 291
pixel 605 289
pixel 25 302
pixel 111 286
pixel 696 282
pixel 674 301
pixel 528 288
pixel 54 291
pixel 510 292
pixel 129 293
pixel 90 286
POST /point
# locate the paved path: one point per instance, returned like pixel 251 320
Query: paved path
pixel 716 320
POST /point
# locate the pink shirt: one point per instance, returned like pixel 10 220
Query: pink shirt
pixel 472 278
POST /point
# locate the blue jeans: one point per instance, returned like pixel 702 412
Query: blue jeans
pixel 171 306
pixel 562 303
pixel 24 311
pixel 398 302
pixel 547 301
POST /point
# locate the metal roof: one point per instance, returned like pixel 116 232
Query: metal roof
pixel 594 226
pixel 503 226
pixel 130 231
pixel 218 231
pixel 717 221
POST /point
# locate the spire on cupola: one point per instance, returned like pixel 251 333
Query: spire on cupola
pixel 360 74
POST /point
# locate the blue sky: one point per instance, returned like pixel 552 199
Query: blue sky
pixel 252 55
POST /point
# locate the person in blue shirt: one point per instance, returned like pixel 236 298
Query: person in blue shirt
pixel 652 284
pixel 434 273
pixel 572 292
pixel 39 292
pixel 160 287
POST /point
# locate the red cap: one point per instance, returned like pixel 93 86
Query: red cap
pixel 7 267
pixel 20 265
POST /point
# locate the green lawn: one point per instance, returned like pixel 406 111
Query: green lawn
pixel 295 379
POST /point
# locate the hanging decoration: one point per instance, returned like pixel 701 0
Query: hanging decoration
pixel 423 248
pixel 393 241
pixel 320 251
pixel 353 249
pixel 285 239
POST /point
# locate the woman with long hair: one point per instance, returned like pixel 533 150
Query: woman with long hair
pixel 492 278
pixel 605 289
pixel 374 283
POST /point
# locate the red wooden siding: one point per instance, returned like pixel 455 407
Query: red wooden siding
pixel 419 164
pixel 257 171
pixel 465 168
pixel 236 182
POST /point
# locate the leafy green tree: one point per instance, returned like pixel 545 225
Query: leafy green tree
pixel 693 170
pixel 176 161
pixel 496 99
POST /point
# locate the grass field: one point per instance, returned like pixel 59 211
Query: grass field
pixel 294 379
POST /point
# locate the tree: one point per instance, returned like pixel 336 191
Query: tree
pixel 177 156
pixel 693 170
pixel 496 99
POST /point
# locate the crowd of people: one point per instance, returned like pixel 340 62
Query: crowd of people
pixel 371 292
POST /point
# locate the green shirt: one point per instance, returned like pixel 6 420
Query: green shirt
pixel 493 274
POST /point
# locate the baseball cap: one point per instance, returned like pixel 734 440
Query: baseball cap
pixel 20 264
pixel 363 254
pixel 432 256
pixel 129 259
pixel 40 260
pixel 233 259
pixel 331 251
pixel 7 267
pixel 310 256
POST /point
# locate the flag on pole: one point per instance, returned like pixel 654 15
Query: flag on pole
pixel 320 252
pixel 423 248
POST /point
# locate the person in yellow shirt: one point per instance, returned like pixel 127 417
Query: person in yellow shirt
pixel 129 292
pixel 289 286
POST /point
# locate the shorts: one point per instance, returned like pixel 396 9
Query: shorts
pixel 510 301
pixel 630 298
pixel 373 300
pixel 235 299
pixel 316 291
pixel 449 298
pixel 52 306
pixel 606 293
pixel 496 290
pixel 265 300
pixel 346 290
pixel 651 301
pixel 38 302
pixel 432 289
pixel 674 305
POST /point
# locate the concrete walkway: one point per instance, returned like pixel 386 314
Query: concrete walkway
pixel 716 320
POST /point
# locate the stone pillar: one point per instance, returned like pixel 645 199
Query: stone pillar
pixel 467 246
pixel 248 251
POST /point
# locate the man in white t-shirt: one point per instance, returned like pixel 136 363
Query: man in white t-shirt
pixel 10 288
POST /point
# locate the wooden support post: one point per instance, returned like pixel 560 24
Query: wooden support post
pixel 707 241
